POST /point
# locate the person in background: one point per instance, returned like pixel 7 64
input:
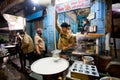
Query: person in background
pixel 69 29
pixel 18 48
pixel 27 47
pixel 86 25
pixel 66 40
pixel 39 44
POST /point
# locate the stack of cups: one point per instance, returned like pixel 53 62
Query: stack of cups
pixel 55 53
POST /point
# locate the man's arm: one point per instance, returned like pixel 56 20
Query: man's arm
pixel 56 23
pixel 37 49
pixel 36 39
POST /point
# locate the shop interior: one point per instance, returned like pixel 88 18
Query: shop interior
pixel 95 55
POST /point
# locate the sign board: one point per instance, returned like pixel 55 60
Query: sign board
pixel 15 22
pixel 67 5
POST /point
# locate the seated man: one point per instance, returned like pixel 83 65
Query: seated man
pixel 66 40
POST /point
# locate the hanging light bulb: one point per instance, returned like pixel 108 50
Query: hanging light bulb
pixel 35 1
pixel 34 8
pixel 45 2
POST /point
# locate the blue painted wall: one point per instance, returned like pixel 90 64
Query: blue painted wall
pixel 35 15
pixel 30 29
pixel 48 26
pixel 30 23
pixel 48 30
pixel 99 7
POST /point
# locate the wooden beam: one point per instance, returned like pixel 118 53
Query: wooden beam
pixel 7 4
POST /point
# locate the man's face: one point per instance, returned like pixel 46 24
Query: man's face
pixel 64 29
pixel 84 22
pixel 17 34
pixel 22 35
pixel 69 29
pixel 39 31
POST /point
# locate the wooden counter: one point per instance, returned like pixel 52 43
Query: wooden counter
pixel 89 35
pixel 95 34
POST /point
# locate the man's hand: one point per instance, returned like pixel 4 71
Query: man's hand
pixel 56 15
pixel 39 53
pixel 65 48
pixel 56 23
